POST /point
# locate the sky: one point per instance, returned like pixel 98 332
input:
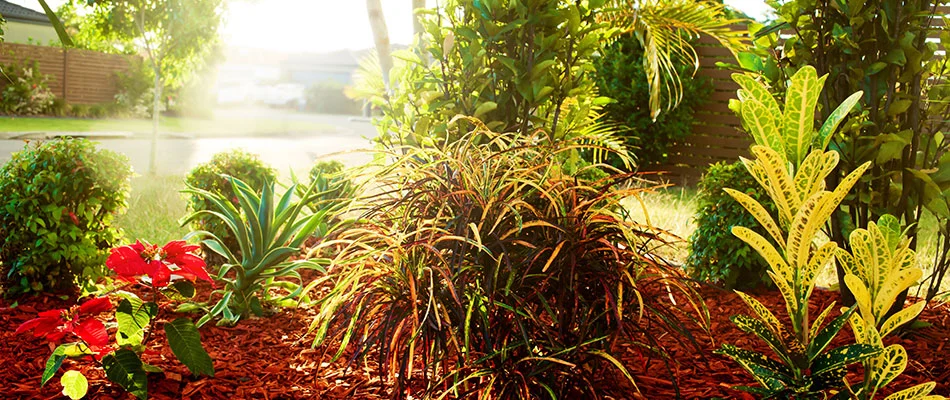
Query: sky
pixel 317 26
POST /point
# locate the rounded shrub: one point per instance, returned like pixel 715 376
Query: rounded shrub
pixel 212 176
pixel 330 184
pixel 59 200
pixel 621 76
pixel 716 255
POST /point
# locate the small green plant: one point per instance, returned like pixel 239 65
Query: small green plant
pixel 26 91
pixel 56 214
pixel 80 110
pixel 621 76
pixel 135 320
pixel 267 231
pixel 212 176
pixel 330 182
pixel 715 255
pixel 482 269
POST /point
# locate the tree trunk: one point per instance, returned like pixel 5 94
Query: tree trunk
pixel 156 102
pixel 381 37
pixel 416 22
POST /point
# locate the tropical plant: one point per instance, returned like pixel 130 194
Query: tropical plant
pixel 153 267
pixel 792 165
pixel 664 29
pixel 903 76
pixel 622 77
pixel 715 255
pixel 482 269
pixel 268 232
pixel 56 214
pixel 880 266
pixel 212 176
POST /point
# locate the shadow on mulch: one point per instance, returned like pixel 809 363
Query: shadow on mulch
pixel 267 358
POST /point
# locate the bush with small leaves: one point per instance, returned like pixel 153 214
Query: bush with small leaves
pixel 715 255
pixel 59 200
pixel 212 177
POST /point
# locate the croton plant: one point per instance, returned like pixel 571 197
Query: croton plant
pixel 169 270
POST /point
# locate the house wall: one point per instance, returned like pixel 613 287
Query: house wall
pixel 26 32
pixel 78 76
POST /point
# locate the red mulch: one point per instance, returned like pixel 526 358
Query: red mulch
pixel 267 358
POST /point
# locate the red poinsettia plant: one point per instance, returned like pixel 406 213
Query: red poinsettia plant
pixel 172 268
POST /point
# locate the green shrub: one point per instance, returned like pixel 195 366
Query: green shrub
pixel 59 108
pixel 59 200
pixel 330 184
pixel 212 177
pixel 328 98
pixel 80 110
pixel 134 97
pixel 621 76
pixel 715 254
pixel 98 111
pixel 496 273
pixel 25 91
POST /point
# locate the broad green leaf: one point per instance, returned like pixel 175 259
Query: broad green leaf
pixel 798 129
pixel 755 90
pixel 74 384
pixel 132 317
pixel 125 369
pixel 766 372
pixel 185 341
pixel 842 357
pixel 827 130
pixel 825 335
pixel 57 25
pixel 54 362
pixel 184 288
pixel 751 325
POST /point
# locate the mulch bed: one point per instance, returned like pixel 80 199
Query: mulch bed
pixel 268 358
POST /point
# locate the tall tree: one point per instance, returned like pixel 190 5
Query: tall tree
pixel 175 36
pixel 377 22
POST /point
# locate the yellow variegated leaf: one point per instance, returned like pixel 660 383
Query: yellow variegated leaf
pixel 864 333
pixel 818 261
pixel 779 184
pixel 861 297
pixel 765 249
pixel 904 258
pixel 802 230
pixel 888 365
pixel 844 187
pixel 762 312
pixel 915 393
pixel 760 214
pixel 881 253
pixel 894 284
pixel 798 123
pixel 817 324
pixel 847 262
pixel 755 90
pixel 865 264
pixel 791 303
pixel 810 177
pixel 901 317
pixel 762 125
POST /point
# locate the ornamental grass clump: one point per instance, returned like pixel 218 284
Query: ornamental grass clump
pixel 482 269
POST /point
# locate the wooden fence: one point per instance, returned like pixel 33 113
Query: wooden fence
pixel 77 76
pixel 716 134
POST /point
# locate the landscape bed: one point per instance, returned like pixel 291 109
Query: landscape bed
pixel 272 358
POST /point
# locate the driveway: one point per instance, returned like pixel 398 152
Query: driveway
pixel 347 141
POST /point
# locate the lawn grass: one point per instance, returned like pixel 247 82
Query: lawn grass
pixel 215 127
pixel 155 205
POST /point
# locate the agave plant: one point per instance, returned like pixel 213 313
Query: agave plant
pixel 269 230
pixel 499 274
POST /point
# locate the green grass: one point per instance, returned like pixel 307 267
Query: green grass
pixel 155 205
pixel 216 127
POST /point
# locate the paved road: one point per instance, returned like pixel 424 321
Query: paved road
pixel 297 150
